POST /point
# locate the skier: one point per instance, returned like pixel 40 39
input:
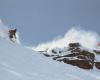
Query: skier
pixel 12 34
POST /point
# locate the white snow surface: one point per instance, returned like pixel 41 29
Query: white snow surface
pixel 20 63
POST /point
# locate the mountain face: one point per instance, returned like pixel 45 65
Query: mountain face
pixel 20 63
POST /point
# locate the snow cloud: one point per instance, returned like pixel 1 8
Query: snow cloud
pixel 88 39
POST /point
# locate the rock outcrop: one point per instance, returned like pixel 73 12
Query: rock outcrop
pixel 85 64
pixel 76 56
pixel 97 65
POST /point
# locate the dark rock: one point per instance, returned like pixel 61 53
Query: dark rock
pixel 96 51
pixel 47 55
pixel 77 50
pixel 85 64
pixel 76 57
pixel 74 45
pixel 90 56
pixel 54 58
pixel 60 51
pixel 97 65
pixel 71 48
pixel 53 51
pixel 81 57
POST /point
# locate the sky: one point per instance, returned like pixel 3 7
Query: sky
pixel 40 21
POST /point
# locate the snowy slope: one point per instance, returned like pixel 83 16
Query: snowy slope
pixel 20 63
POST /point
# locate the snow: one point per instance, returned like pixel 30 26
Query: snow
pixel 20 63
pixel 86 38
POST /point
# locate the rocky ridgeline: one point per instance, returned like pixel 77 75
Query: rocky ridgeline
pixel 76 56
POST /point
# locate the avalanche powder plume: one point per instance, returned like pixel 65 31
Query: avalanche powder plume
pixel 88 39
